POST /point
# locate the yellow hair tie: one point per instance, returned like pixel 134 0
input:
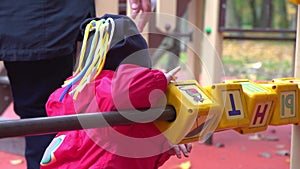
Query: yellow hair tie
pixel 91 66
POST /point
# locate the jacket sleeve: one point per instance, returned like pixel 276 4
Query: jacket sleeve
pixel 137 87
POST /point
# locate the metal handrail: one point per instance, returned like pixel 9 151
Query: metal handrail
pixel 54 124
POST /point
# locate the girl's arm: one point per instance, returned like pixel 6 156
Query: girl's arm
pixel 137 87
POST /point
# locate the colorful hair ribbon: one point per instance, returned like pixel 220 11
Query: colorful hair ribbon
pixel 90 65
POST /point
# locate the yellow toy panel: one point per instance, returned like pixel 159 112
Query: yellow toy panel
pixel 233 104
pixel 197 114
pixel 288 80
pixel 260 103
pixel 286 108
pixel 242 105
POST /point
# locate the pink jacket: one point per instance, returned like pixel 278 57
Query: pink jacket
pixel 121 147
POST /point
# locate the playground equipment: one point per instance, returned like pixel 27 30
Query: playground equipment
pixel 241 105
pixel 260 104
pixel 234 112
pixel 197 113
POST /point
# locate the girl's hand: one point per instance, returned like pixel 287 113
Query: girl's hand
pixel 185 149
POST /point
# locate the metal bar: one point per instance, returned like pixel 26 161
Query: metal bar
pixel 259 38
pixel 45 125
pixel 265 30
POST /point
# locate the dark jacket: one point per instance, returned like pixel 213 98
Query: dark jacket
pixel 40 29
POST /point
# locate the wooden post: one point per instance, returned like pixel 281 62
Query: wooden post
pixel 163 22
pixel 211 53
pixel 196 18
pixel 103 6
pixel 295 143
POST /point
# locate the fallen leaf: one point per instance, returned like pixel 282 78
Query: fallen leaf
pixel 280 146
pixel 16 162
pixel 185 165
pixel 283 153
pixel 255 137
pixel 220 145
pixel 271 138
pixel 265 155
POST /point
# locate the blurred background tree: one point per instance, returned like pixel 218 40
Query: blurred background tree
pixel 259 38
pixel 251 14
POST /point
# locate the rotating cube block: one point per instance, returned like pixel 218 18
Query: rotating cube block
pixel 233 104
pixel 260 104
pixel 197 114
pixel 286 108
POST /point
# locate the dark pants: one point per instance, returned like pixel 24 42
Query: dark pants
pixel 32 82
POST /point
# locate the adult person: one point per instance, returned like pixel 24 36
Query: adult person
pixel 143 7
pixel 38 47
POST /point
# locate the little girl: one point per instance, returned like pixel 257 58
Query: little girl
pixel 119 79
